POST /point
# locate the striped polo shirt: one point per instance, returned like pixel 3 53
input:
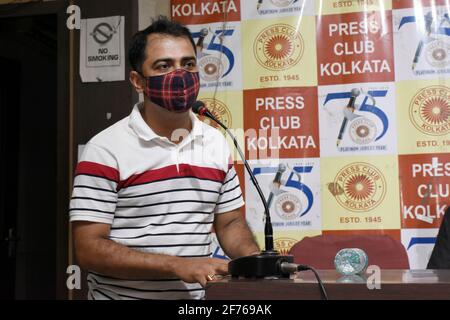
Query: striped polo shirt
pixel 158 197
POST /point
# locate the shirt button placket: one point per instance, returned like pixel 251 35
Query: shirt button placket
pixel 177 158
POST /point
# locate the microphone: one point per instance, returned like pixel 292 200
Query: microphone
pixel 428 23
pixel 276 183
pixel 351 106
pixel 199 45
pixel 268 262
pixel 259 5
pixel 199 108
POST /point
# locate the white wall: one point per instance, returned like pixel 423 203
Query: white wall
pixel 149 9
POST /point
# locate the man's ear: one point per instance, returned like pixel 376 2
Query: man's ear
pixel 137 81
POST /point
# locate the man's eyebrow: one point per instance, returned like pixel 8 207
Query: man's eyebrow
pixel 162 60
pixel 188 58
pixel 168 60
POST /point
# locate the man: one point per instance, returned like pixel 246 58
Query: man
pixel 149 189
pixel 440 257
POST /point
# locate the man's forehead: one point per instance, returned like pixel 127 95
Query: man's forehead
pixel 163 42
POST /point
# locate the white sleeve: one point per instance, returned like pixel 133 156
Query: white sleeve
pixel 94 195
pixel 230 197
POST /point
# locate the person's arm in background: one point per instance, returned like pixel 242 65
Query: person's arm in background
pixel 95 252
pixel 440 257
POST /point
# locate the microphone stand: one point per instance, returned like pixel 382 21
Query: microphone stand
pixel 268 262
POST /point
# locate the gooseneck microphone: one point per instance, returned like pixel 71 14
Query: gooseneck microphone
pixel 268 263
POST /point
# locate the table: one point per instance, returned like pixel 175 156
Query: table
pixel 394 284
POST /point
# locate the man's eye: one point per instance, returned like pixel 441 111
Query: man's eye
pixel 191 64
pixel 162 66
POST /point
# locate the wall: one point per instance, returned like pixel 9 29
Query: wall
pixel 152 8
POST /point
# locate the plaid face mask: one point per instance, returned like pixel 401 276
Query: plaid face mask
pixel 175 91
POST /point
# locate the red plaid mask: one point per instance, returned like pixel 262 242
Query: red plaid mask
pixel 175 91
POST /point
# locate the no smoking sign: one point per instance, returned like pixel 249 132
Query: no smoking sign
pixel 103 33
pixel 103 42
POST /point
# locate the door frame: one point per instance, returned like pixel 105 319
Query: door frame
pixel 9 166
pixel 64 142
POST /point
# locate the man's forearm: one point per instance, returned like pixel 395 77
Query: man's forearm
pixel 237 240
pixel 115 260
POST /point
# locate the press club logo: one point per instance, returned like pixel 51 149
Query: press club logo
pixel 211 68
pixel 429 110
pixel 283 245
pixel 278 47
pixel 288 205
pixel 219 110
pixel 358 187
pixel 363 131
pixel 438 54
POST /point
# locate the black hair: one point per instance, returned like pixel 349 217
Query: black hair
pixel 161 25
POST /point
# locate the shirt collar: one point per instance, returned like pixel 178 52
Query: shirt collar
pixel 144 132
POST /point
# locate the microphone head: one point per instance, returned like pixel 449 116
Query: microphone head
pixel 355 92
pixel 204 32
pixel 198 106
pixel 281 167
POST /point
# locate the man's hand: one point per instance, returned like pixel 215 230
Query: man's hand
pixel 197 270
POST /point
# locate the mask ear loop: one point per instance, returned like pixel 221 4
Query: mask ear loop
pixel 145 81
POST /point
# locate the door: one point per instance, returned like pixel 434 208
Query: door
pixel 28 142
pixel 9 109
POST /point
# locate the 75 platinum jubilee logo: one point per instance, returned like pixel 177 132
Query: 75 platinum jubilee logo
pixel 355 117
pixel 290 198
pixel 215 59
pixel 433 46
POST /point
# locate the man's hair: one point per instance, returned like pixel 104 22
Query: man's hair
pixel 162 25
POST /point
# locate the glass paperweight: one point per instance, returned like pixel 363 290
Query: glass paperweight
pixel 351 261
pixel 356 278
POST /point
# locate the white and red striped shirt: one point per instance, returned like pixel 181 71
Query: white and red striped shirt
pixel 158 197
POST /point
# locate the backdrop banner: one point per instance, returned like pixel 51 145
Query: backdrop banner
pixel 349 99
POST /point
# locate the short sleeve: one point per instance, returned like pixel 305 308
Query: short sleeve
pixel 230 197
pixel 94 195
